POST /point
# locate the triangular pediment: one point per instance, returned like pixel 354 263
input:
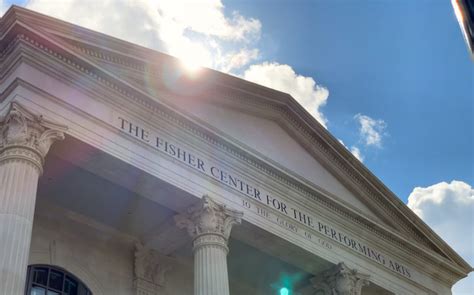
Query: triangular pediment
pixel 266 138
pixel 269 124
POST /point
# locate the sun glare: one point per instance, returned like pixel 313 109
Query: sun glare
pixel 190 64
pixel 195 57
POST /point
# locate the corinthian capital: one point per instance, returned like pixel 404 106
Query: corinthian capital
pixel 340 280
pixel 19 128
pixel 208 217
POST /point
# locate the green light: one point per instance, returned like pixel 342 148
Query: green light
pixel 284 291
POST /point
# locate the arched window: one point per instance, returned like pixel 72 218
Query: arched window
pixel 51 280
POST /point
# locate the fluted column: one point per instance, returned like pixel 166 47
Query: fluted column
pixel 339 280
pixel 24 142
pixel 209 224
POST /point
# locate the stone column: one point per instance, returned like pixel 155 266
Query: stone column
pixel 339 280
pixel 209 224
pixel 150 269
pixel 24 142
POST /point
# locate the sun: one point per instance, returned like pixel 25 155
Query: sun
pixel 195 57
pixel 191 64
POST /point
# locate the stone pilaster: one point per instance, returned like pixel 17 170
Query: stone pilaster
pixel 24 142
pixel 149 269
pixel 209 224
pixel 339 280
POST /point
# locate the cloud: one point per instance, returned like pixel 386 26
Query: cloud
pixel 282 77
pixel 207 18
pixel 236 60
pixel 354 150
pixel 197 31
pixel 357 153
pixel 3 7
pixel 134 21
pixel 448 209
pixel 371 131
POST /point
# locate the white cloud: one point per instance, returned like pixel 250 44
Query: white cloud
pixel 448 208
pixel 194 30
pixel 282 77
pixel 357 153
pixel 237 60
pixel 207 17
pixel 354 150
pixel 371 131
pixel 3 7
pixel 134 21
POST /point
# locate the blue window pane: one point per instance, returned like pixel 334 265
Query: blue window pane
pixel 49 280
pixel 40 276
pixel 56 280
pixel 83 290
pixel 70 286
pixel 37 291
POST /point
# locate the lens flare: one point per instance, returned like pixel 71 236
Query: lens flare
pixel 191 64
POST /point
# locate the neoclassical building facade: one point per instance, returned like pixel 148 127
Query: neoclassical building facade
pixel 121 174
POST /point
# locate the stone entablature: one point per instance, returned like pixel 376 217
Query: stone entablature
pixel 344 235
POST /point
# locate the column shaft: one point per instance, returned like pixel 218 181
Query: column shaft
pixel 210 270
pixel 18 183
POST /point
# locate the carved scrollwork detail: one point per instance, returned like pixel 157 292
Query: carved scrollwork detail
pixel 26 136
pixel 340 280
pixel 150 265
pixel 150 269
pixel 47 138
pixel 209 218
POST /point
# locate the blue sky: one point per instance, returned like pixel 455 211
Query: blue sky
pixel 404 62
pixel 391 79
